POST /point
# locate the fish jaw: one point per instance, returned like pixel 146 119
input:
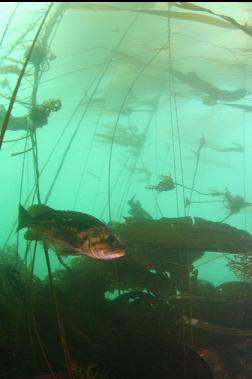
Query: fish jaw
pixel 108 254
pixel 102 250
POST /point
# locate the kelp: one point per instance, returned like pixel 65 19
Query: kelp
pixel 163 13
pixel 20 77
pixel 241 266
pixel 190 6
pixel 214 93
pixel 218 329
pixel 185 233
pixel 107 309
pixel 226 22
pixel 242 107
pixel 235 148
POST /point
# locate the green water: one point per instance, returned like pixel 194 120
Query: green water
pixel 126 119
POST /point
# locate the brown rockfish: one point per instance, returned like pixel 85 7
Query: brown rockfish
pixel 70 232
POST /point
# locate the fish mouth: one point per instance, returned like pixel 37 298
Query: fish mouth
pixel 112 254
pixel 107 254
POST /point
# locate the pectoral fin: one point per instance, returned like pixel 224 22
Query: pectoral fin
pixel 65 251
pixel 32 235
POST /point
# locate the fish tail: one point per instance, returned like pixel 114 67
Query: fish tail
pixel 24 218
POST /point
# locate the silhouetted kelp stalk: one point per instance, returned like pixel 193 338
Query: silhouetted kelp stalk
pixel 196 8
pixel 60 325
pixel 130 88
pixel 37 192
pixel 175 127
pixel 13 98
pixel 217 329
pixel 16 139
pixel 22 152
pixel 96 84
pixel 33 313
pixel 229 23
pixel 138 156
pixel 59 319
pixel 202 143
pixel 174 118
pixel 243 107
pixel 236 148
pixel 8 24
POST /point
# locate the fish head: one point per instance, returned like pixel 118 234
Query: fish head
pixel 104 246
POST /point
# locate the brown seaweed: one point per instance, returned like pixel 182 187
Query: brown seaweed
pixel 213 328
pixel 193 80
pixel 185 233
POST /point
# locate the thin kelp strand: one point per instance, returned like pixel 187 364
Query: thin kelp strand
pixel 171 114
pixel 37 75
pixel 209 261
pixel 53 22
pixel 8 24
pixel 98 81
pixel 157 204
pixel 217 329
pixel 58 316
pixel 176 116
pixel 138 155
pixel 21 152
pixel 114 188
pixel 127 180
pixel 85 165
pixel 17 139
pixel 64 156
pixel 93 66
pixel 33 315
pixel 179 140
pixel 128 92
pixel 189 296
pixel 198 153
pixel 20 192
pixel 205 19
pixel 35 162
pixel 232 21
pixel 13 98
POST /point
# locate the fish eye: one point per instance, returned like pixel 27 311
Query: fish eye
pixel 111 239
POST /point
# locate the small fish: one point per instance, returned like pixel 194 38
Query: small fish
pixel 70 232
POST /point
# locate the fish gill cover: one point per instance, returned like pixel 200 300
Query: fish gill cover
pixel 126 136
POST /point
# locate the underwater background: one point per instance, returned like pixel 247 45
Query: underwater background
pixel 128 111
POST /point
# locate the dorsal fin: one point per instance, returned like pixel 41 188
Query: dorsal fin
pixel 39 210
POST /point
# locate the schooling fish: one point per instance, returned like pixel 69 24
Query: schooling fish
pixel 70 232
